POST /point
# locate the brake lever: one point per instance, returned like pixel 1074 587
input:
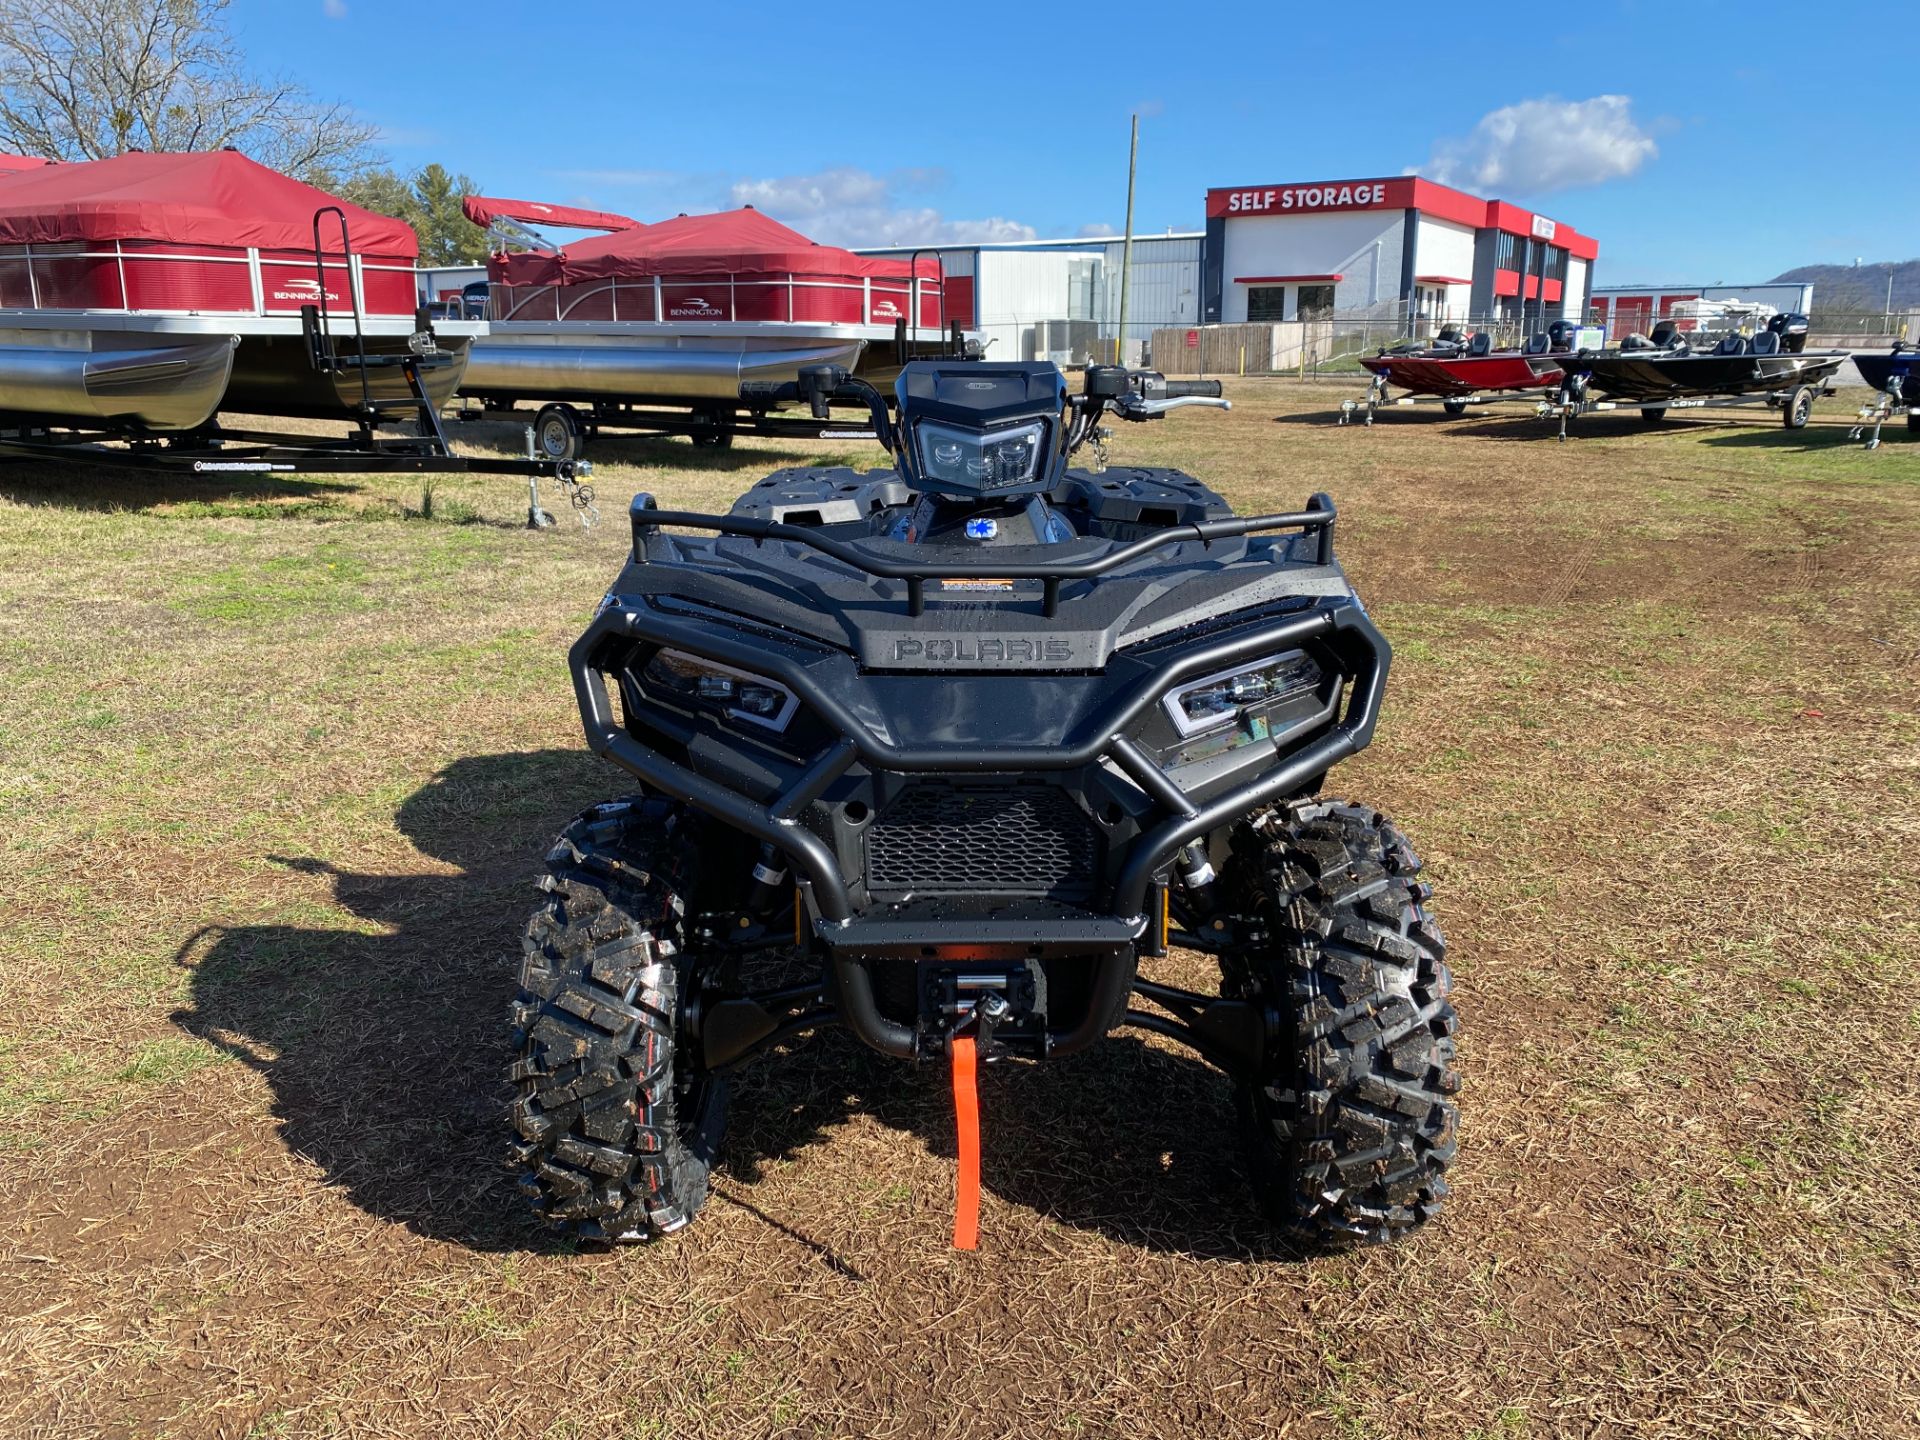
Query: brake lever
pixel 1136 409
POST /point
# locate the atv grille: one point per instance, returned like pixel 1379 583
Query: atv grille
pixel 945 839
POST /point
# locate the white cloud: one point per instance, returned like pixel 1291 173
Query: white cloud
pixel 335 9
pixel 1099 230
pixel 1545 144
pixel 848 206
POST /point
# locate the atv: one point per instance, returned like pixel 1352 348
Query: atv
pixel 974 740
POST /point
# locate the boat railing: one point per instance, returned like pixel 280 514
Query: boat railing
pixel 664 299
pixel 237 282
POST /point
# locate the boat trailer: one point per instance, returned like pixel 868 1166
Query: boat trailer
pixel 1795 403
pixel 1884 405
pixel 1377 399
pixel 561 430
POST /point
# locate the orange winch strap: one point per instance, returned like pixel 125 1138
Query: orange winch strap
pixel 966 1111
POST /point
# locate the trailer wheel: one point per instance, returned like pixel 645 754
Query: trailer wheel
pixel 1653 414
pixel 1454 408
pixel 558 433
pixel 713 430
pixel 1798 408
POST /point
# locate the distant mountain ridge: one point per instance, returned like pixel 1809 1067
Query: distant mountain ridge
pixel 1859 287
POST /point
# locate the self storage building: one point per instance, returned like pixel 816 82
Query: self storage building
pixel 1386 247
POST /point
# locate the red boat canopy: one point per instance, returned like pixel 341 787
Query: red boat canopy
pixel 217 198
pixel 483 210
pixel 11 164
pixel 732 242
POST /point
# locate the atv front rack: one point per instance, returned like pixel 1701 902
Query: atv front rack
pixel 1316 520
pixel 1339 626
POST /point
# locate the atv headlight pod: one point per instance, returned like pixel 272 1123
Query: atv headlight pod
pixel 979 460
pixel 1219 700
pixel 709 685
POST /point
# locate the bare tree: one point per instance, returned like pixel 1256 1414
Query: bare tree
pixel 85 79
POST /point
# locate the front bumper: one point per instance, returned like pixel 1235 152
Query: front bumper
pixel 1116 923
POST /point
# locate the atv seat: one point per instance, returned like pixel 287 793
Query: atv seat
pixel 1766 343
pixel 1481 344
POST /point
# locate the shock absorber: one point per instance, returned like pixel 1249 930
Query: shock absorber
pixel 769 883
pixel 1196 874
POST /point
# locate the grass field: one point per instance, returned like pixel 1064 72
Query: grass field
pixel 278 762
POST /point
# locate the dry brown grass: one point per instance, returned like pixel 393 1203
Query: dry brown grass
pixel 276 763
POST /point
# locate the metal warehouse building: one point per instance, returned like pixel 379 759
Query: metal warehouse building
pixel 1384 248
pixel 1057 299
pixel 1638 307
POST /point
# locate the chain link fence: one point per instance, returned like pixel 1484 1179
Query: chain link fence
pixel 1333 345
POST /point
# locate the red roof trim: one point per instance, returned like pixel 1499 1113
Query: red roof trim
pixel 1280 279
pixel 1399 192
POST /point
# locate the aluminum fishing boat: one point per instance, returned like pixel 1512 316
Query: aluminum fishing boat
pixel 1459 371
pixel 1881 369
pixel 1896 391
pixel 1666 367
pixel 1473 367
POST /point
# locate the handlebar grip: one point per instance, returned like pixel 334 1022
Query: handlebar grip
pixel 1194 389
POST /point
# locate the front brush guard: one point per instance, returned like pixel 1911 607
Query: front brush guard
pixel 1340 625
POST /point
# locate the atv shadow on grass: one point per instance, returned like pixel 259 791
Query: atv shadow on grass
pixel 385 1044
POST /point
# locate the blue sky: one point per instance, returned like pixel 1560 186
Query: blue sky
pixel 1684 136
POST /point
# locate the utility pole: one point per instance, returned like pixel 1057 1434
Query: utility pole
pixel 1126 246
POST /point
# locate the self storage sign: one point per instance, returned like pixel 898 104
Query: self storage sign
pixel 1304 199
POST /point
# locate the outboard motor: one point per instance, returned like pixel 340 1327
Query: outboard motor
pixel 1560 335
pixel 1791 327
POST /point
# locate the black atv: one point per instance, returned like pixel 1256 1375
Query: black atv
pixel 970 740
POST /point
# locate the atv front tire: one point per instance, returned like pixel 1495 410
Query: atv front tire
pixel 1350 1123
pixel 618 1128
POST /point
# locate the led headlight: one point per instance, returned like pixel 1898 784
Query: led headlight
pixel 979 460
pixel 710 685
pixel 1219 700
